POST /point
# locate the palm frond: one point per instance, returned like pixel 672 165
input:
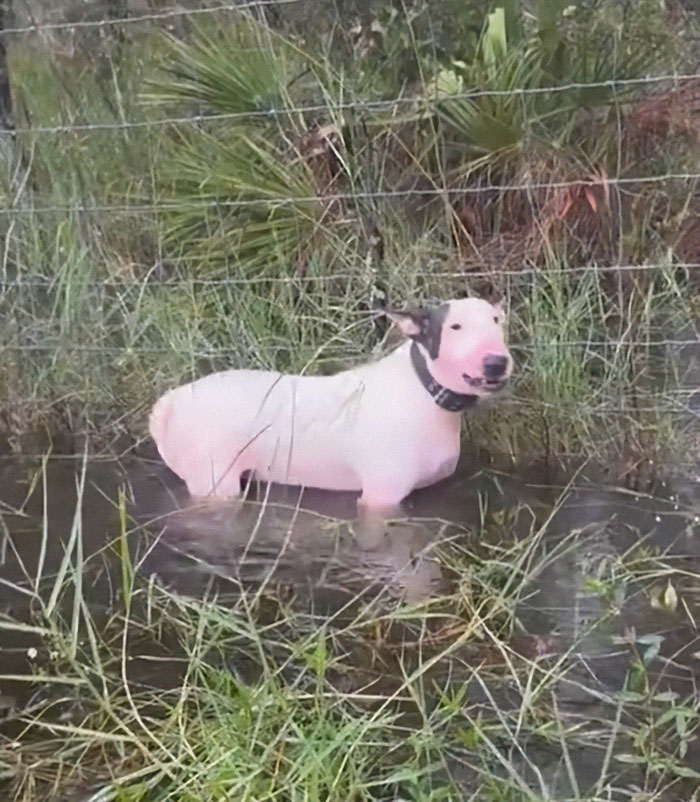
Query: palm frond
pixel 236 72
pixel 491 122
pixel 512 77
pixel 246 202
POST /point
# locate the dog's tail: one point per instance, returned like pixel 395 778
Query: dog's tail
pixel 158 422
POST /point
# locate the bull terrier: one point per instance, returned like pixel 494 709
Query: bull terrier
pixel 384 428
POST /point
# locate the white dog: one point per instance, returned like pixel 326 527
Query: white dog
pixel 383 428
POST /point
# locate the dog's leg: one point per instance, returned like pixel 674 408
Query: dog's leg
pixel 380 501
pixel 228 485
pixel 207 477
pixel 381 497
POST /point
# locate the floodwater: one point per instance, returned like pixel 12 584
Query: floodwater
pixel 294 542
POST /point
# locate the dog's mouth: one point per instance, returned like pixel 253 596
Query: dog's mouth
pixel 489 385
pixel 494 385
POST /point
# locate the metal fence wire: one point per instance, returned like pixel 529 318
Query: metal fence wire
pixel 22 206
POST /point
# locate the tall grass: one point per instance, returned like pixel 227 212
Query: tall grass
pixel 252 694
pixel 138 257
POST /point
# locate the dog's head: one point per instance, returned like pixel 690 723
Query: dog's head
pixel 463 343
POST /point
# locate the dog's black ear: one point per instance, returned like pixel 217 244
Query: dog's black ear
pixel 422 325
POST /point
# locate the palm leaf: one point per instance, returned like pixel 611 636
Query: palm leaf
pixel 489 123
pixel 238 72
pixel 245 201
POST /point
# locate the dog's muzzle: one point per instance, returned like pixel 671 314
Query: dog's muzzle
pixel 494 378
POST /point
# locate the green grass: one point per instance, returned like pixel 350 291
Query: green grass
pixel 139 257
pixel 253 695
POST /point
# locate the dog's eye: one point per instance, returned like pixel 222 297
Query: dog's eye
pixel 456 326
pixel 495 320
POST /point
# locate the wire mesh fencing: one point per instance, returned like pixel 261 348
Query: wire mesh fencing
pixel 151 232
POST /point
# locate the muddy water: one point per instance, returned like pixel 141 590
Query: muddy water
pixel 295 542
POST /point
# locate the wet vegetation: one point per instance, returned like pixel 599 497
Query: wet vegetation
pixel 191 192
pixel 517 657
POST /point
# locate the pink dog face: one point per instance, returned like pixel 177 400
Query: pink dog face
pixel 464 344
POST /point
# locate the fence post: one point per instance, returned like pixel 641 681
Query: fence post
pixel 6 115
pixel 117 9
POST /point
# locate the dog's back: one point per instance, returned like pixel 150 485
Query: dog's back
pixel 284 428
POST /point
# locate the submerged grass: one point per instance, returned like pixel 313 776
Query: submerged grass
pixel 251 694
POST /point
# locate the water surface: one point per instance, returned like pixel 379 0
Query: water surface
pixel 307 548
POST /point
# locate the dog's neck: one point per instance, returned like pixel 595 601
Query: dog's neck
pixel 444 398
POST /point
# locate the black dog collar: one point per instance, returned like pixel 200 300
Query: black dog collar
pixel 444 398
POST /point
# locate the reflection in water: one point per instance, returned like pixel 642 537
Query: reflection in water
pixel 308 548
pixel 311 541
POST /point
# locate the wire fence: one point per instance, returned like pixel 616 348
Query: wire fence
pixel 357 195
pixel 29 281
pixel 335 108
pixel 681 400
pixel 160 16
pixel 125 350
